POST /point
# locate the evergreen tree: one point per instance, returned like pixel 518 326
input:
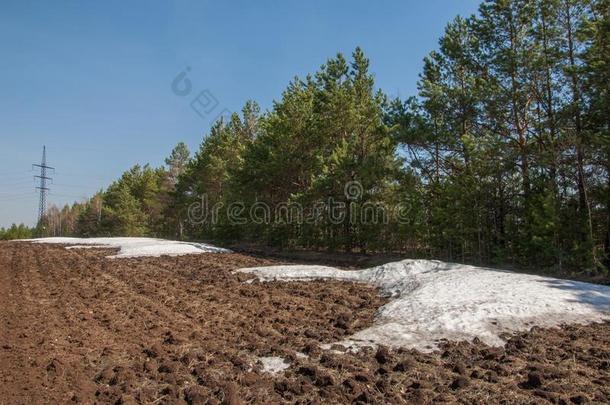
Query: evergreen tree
pixel 503 157
pixel 16 232
pixel 122 213
pixel 176 162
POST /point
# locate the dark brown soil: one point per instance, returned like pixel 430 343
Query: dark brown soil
pixel 76 327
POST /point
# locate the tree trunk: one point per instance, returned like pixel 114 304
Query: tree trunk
pixel 583 201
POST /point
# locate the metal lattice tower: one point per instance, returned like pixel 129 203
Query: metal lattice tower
pixel 42 205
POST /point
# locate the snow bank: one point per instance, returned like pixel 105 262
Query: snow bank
pixel 273 364
pixel 136 247
pixel 433 300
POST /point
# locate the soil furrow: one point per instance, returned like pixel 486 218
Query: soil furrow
pixel 80 328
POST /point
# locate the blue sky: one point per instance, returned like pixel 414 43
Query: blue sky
pixel 92 80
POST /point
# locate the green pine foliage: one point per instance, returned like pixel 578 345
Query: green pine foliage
pixel 16 232
pixel 503 156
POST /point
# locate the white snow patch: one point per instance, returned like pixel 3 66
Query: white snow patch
pixel 86 247
pixel 433 300
pixel 273 364
pixel 136 247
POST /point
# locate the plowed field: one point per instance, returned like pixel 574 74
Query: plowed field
pixel 76 327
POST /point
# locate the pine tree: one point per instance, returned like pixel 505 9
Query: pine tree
pixel 176 162
pixel 122 213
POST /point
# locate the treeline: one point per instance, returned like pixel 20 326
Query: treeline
pixel 16 232
pixel 503 156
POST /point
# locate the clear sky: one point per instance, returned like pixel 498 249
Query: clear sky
pixel 92 80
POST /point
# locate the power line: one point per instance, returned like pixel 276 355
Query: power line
pixel 13 174
pixel 21 184
pixel 16 178
pixel 82 196
pixel 7 197
pixel 15 193
pixel 92 176
pixel 70 185
pixel 42 203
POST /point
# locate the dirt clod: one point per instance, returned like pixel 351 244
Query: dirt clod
pixel 459 383
pixel 534 380
pixel 383 355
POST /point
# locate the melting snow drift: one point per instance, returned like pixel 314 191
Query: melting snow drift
pixel 433 300
pixel 273 365
pixel 136 247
